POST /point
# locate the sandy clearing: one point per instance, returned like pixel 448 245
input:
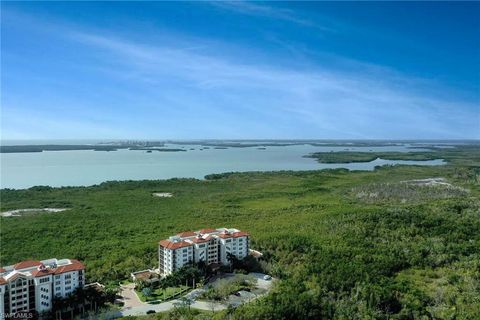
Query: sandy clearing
pixel 18 212
pixel 428 182
pixel 162 194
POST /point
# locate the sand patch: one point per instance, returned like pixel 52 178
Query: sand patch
pixel 429 182
pixel 20 212
pixel 162 194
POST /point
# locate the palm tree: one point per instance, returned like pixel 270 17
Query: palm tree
pixel 231 260
pixel 186 302
pixel 202 266
pixel 164 286
pixel 80 294
pixel 111 294
pixel 71 302
pixel 92 296
pixel 147 292
pixel 58 304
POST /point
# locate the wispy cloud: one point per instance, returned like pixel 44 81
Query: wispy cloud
pixel 268 11
pixel 332 102
pixel 204 90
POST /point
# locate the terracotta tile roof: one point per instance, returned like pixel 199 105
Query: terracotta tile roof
pixel 75 265
pixel 199 240
pixel 203 231
pixel 174 245
pixel 240 234
pixel 2 281
pixel 186 234
pixel 41 273
pixel 233 235
pixel 225 235
pixel 27 264
pixel 2 270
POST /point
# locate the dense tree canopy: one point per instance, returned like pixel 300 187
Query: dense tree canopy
pixel 336 255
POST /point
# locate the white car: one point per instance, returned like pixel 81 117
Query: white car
pixel 267 277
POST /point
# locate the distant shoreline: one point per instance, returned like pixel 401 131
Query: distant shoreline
pixel 223 144
pixel 136 160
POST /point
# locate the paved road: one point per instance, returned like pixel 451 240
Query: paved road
pixel 134 307
pixel 166 306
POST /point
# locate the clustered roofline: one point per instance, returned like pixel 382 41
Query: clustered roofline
pixel 197 237
pixel 174 245
pixel 27 264
pixel 41 270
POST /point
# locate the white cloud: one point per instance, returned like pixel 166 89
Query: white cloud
pixel 334 104
pixel 256 9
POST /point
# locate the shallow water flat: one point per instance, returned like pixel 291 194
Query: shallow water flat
pixel 85 167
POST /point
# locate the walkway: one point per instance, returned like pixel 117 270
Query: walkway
pixel 130 298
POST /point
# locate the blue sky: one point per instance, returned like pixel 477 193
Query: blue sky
pixel 240 70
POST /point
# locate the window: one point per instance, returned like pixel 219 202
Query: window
pixel 43 280
pixel 68 276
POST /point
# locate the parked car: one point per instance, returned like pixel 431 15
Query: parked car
pixel 267 277
pixel 150 311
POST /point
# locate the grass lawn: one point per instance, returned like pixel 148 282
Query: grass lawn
pixel 163 294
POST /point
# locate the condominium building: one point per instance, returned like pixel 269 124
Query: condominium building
pixel 32 285
pixel 212 246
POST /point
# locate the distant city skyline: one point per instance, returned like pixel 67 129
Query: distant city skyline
pixel 240 70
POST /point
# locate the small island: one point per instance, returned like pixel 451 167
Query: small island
pixel 455 153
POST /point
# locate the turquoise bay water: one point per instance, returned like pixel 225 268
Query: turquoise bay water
pixel 83 168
